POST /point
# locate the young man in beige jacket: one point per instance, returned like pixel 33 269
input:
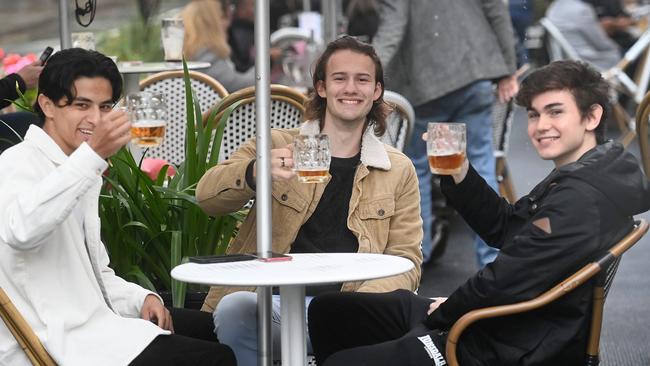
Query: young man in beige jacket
pixel 369 205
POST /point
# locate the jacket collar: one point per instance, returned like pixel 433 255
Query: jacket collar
pixel 39 138
pixel 373 151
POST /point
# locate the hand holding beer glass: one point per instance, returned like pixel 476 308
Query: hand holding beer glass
pixel 446 142
pixel 148 114
pixel 311 158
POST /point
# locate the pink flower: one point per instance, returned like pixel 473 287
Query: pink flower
pixel 14 62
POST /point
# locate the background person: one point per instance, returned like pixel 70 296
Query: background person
pixel 574 215
pixel 13 126
pixel 444 56
pixel 53 264
pixel 206 39
pixel 369 205
pixel 579 24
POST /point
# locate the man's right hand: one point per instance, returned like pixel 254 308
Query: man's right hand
pixel 30 73
pixel 110 133
pixel 281 164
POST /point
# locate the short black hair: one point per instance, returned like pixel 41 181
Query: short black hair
pixel 585 83
pixel 66 66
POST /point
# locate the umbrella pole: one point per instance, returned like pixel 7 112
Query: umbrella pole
pixel 64 24
pixel 263 196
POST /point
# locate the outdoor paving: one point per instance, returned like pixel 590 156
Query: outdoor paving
pixel 625 339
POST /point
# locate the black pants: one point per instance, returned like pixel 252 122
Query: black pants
pixel 193 344
pixel 374 329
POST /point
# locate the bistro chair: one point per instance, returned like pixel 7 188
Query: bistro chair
pixel 287 110
pixel 642 120
pixel 171 83
pixel 502 116
pixel 602 283
pixel 399 123
pixel 300 48
pixel 25 336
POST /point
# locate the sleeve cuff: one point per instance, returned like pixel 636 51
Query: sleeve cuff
pixel 249 175
pixel 87 161
pixel 450 189
pixel 21 83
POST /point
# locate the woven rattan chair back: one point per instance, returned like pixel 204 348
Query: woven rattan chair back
pixel 287 110
pixel 171 83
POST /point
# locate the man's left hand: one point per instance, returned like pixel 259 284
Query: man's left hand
pixel 154 311
pixel 437 301
pixel 507 88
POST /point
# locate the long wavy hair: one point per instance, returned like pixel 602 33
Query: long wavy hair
pixel 204 28
pixel 316 105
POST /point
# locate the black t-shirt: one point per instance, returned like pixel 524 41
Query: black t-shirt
pixel 327 230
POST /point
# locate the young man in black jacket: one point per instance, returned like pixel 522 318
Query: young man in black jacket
pixel 577 212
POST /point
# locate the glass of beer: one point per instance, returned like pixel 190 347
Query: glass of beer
pixel 446 144
pixel 148 114
pixel 311 158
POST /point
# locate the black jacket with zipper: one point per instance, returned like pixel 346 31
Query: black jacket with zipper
pixel 575 214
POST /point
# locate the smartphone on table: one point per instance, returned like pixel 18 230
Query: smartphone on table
pixel 206 259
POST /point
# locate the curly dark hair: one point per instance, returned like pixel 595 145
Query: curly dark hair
pixel 584 82
pixel 316 105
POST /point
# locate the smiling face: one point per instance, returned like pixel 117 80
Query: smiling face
pixel 557 130
pixel 70 125
pixel 350 87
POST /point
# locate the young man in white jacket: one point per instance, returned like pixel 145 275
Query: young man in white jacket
pixel 53 264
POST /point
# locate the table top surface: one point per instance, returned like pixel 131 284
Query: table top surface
pixel 128 67
pixel 303 269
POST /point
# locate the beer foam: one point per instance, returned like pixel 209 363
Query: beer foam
pixel 148 123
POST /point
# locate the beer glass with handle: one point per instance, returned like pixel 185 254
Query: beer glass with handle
pixel 446 144
pixel 148 114
pixel 311 158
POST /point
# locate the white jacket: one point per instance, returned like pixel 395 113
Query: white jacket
pixel 44 265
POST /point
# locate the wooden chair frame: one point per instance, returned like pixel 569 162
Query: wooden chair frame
pixel 608 261
pixel 194 75
pixel 279 93
pixel 206 79
pixel 25 336
pixel 642 121
pixel 247 95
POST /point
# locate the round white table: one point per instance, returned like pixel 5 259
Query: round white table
pixel 292 277
pixel 132 70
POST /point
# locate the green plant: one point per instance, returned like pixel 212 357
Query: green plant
pixel 151 226
pixel 23 103
pixel 137 40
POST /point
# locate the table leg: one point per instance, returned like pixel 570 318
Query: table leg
pixel 294 343
pixel 264 323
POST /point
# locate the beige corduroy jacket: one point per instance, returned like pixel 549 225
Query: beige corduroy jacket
pixel 384 211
